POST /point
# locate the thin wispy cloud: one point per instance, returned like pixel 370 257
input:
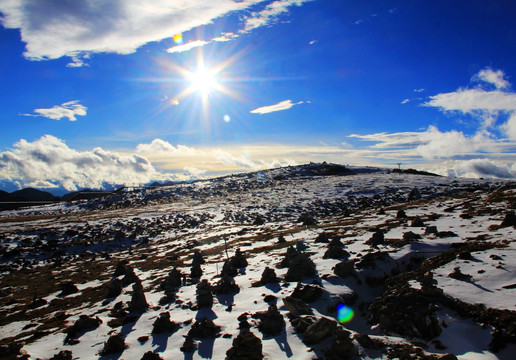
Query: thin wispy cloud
pixel 283 105
pixel 270 14
pixel 187 46
pixel 493 77
pixel 405 101
pixel 68 110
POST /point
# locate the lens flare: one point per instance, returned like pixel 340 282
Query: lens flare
pixel 344 313
pixel 178 39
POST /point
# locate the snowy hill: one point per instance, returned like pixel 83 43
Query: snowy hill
pixel 325 262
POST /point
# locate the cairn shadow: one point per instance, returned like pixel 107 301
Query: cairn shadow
pixel 161 341
pixel 274 287
pixel 206 312
pixel 205 348
pixel 226 299
pixel 283 344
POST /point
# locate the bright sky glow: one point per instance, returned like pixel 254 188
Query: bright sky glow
pixel 246 85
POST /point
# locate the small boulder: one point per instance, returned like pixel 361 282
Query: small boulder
pixel 204 294
pixel 226 285
pixel 417 222
pixel 342 348
pixel 239 260
pixel 431 230
pixel 307 293
pixel 196 271
pixel 163 324
pixel 378 238
pixel 115 344
pixel 149 355
pixel 296 307
pixel 63 355
pixel 271 321
pixel 204 328
pixel 411 236
pixel 246 346
pixel 401 214
pixel 344 268
pixel 114 289
pixel 509 220
pixel 320 330
pixel 68 288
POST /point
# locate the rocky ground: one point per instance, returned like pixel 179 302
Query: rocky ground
pixel 309 262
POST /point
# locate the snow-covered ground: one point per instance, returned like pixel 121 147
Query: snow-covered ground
pixel 158 229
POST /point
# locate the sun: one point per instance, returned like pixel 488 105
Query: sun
pixel 204 80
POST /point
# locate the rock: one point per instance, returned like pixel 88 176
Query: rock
pixel 114 345
pixel 121 268
pixel 197 258
pixel 401 214
pixel 246 346
pixel 320 330
pixel 163 324
pixel 204 328
pixel 300 266
pixel 307 293
pixel 411 236
pixel 189 345
pixel 344 268
pixel 149 355
pixel 445 234
pixel 268 276
pixel 509 220
pixel 464 255
pixel 281 239
pixel 447 357
pixel 260 220
pixel 307 220
pixel 335 251
pixel 296 307
pixel 68 288
pixel 302 323
pixel 63 355
pixel 457 274
pixel 173 280
pixel 431 230
pixel 342 348
pixel 417 222
pixel 323 237
pixel 226 285
pixel 378 238
pixel 239 260
pixel 414 194
pixel 138 300
pixel 10 350
pixel 269 298
pixel 229 269
pixel 82 325
pixel 204 294
pixel 130 277
pixel 114 289
pixel 367 342
pixel 271 321
pixel 349 298
pixel 196 271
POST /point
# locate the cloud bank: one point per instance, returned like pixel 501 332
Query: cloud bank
pixel 67 110
pixel 490 151
pixel 283 105
pixel 49 160
pixel 53 29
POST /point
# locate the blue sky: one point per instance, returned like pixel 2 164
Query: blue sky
pixel 96 94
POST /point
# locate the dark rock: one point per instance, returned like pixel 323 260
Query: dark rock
pixel 143 339
pixel 197 258
pixel 239 260
pixel 368 342
pixel 226 285
pixel 335 251
pixel 307 220
pixel 296 307
pixel 229 268
pixel 417 222
pixel 281 239
pixel 457 274
pixel 10 350
pixel 411 236
pixel 163 324
pixel 271 321
pixel 114 345
pixel 149 355
pixel 300 266
pixel 173 280
pixel 344 268
pixel 63 355
pixel 138 300
pixel 447 357
pixel 445 234
pixel 260 220
pixel 189 345
pixel 320 330
pixel 68 288
pixel 401 214
pixel 378 238
pixel 509 220
pixel 121 268
pixel 204 294
pixel 114 289
pixel 464 255
pixel 82 325
pixel 268 276
pixel 302 323
pixel 204 328
pixel 414 194
pixel 269 298
pixel 196 271
pixel 342 348
pixel 431 230
pixel 323 237
pixel 307 293
pixel 130 277
pixel 246 346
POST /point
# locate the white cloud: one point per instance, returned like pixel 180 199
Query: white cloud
pixel 405 101
pixel 269 15
pixel 312 42
pixel 225 36
pixel 52 29
pixel 162 146
pixel 50 160
pixel 492 77
pixel 471 100
pixel 187 46
pixel 67 110
pixel 419 90
pixel 283 105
